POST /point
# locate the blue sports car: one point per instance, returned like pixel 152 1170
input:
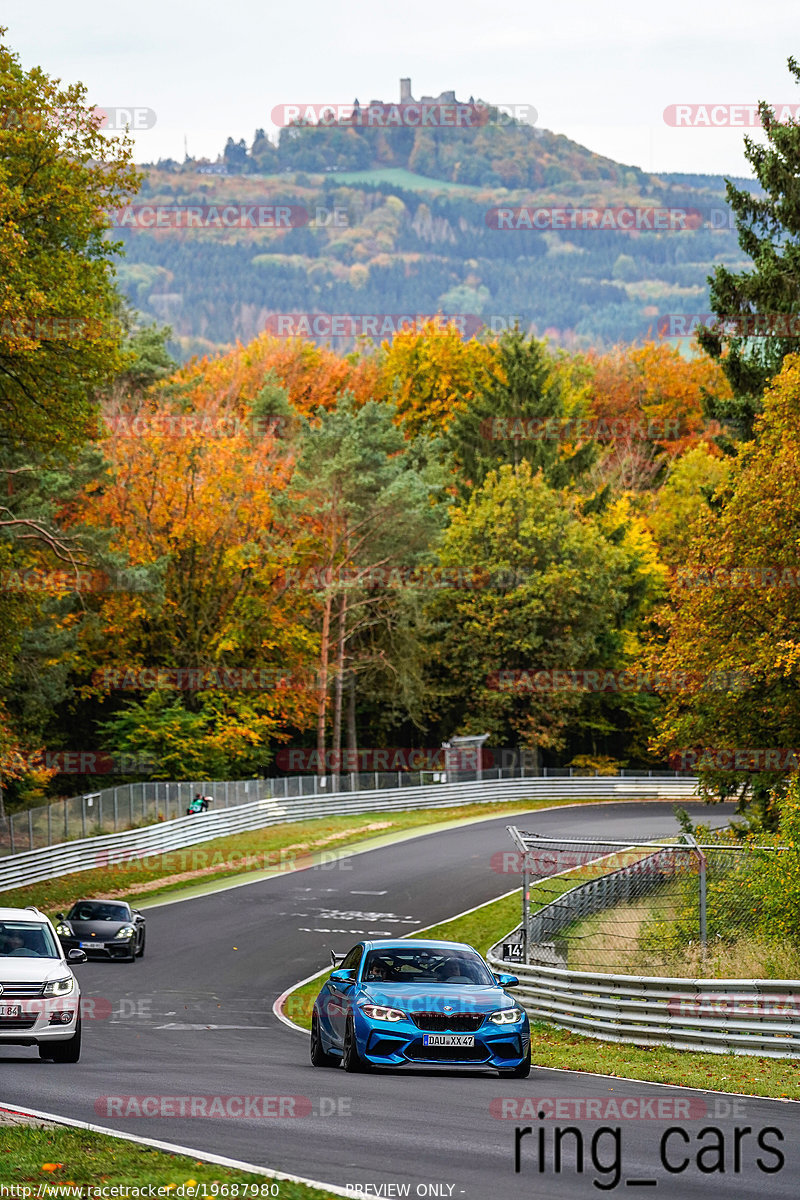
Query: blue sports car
pixel 433 1003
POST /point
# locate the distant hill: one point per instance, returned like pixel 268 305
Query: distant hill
pixel 400 222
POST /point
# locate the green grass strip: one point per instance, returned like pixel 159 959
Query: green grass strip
pixel 65 1159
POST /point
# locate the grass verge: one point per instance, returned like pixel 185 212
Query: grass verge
pixel 63 1159
pixel 273 848
pixel 553 1047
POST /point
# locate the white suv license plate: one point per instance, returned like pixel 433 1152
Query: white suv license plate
pixel 10 1010
pixel 448 1039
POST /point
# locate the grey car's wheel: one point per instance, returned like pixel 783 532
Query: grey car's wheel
pixel 319 1055
pixel 140 951
pixel 65 1052
pixel 351 1059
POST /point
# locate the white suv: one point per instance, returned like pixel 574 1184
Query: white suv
pixel 40 1001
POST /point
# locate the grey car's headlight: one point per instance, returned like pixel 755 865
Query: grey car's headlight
pixel 63 930
pixel 127 931
pixel 59 987
pixel 506 1016
pixel 379 1012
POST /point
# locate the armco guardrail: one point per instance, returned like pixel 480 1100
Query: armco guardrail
pixel 128 805
pixel 739 1016
pixel 34 865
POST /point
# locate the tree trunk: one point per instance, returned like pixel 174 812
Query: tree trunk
pixel 322 684
pixel 352 743
pixel 338 684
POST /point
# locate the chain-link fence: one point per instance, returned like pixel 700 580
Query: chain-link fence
pixel 135 804
pixel 668 908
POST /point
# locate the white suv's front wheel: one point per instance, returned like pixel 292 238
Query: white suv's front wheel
pixel 68 1051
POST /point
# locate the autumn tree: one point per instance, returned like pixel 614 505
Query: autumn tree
pixel 768 224
pixel 552 588
pixel 60 344
pixel 430 373
pixel 735 617
pixel 647 403
pixel 368 520
pixel 193 492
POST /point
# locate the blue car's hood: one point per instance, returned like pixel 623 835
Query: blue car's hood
pixel 421 997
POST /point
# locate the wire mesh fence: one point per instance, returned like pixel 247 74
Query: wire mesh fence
pixel 668 909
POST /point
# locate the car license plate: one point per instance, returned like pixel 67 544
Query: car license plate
pixel 87 945
pixel 10 1010
pixel 448 1039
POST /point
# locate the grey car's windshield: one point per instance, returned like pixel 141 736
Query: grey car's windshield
pixel 426 966
pixel 27 939
pixel 94 910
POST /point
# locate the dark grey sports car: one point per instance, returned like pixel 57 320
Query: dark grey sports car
pixel 103 928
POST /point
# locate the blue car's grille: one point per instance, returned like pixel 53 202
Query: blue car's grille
pixel 439 1022
pixel 419 1053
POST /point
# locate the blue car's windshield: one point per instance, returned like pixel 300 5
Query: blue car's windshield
pixel 426 966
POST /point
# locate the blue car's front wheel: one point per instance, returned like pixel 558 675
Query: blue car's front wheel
pixel 520 1072
pixel 351 1059
pixel 319 1056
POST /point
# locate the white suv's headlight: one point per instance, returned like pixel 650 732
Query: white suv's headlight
pixel 127 931
pixel 59 987
pixel 506 1016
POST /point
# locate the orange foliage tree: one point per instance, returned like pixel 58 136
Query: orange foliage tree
pixel 648 401
pixel 194 495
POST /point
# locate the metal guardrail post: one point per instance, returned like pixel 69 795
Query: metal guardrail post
pixel 30 828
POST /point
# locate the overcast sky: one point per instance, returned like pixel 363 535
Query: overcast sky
pixel 601 73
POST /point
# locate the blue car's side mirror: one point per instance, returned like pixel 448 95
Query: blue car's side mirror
pixel 342 976
pixel 507 980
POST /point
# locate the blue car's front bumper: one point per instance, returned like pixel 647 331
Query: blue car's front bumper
pixel 392 1043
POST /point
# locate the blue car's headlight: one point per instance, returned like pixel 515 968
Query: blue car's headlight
pixel 506 1016
pixel 379 1012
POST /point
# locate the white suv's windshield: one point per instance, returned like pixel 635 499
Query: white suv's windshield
pixel 26 939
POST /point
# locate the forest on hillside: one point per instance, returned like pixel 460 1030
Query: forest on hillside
pixel 583 551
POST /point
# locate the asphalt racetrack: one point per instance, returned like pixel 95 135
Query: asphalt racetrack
pixel 194 1019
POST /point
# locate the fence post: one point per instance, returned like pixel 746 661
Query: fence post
pixel 66 820
pixel 83 815
pixel 49 824
pixel 701 864
pixel 526 909
pixel 11 832
pixel 30 827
